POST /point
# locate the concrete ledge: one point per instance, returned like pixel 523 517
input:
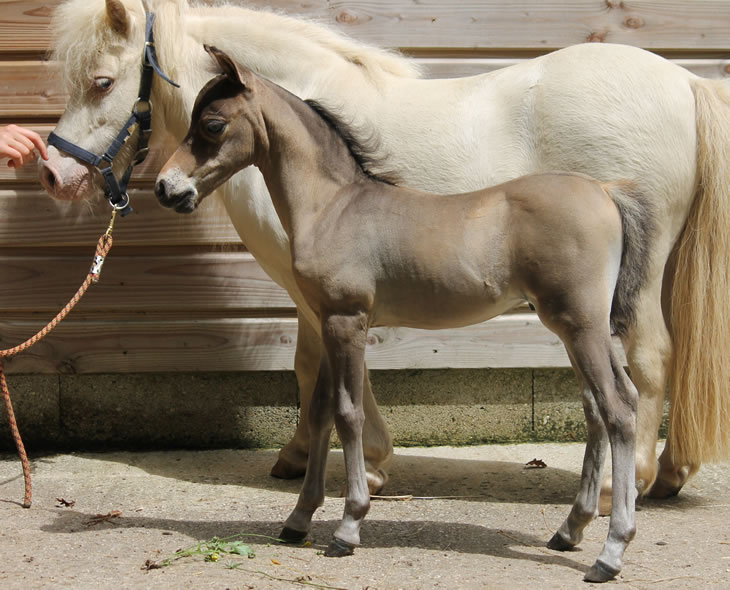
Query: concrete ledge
pixel 259 409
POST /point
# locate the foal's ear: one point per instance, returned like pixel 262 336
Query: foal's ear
pixel 234 72
pixel 117 16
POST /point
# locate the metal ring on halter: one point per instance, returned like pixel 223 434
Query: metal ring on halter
pixel 123 205
pixel 143 101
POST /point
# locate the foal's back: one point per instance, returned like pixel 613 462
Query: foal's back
pixel 433 261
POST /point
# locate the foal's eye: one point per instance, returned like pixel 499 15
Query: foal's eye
pixel 102 83
pixel 215 127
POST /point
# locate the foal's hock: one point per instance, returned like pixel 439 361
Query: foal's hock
pixel 367 253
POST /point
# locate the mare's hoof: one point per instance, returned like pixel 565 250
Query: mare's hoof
pixel 291 536
pixel 283 469
pixel 600 572
pixel 339 548
pixel 376 481
pixel 662 491
pixel 557 543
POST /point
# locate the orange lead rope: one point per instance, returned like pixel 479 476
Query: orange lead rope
pixel 102 249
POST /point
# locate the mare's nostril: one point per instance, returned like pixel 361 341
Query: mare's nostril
pixel 48 178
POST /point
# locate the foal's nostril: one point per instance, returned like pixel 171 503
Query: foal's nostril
pixel 160 189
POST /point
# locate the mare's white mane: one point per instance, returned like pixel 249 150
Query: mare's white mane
pixel 81 34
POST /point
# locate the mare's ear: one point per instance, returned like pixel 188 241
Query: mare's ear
pixel 234 72
pixel 117 16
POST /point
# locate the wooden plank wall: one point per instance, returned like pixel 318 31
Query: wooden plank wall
pixel 180 293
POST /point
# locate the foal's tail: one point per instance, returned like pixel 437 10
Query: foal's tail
pixel 638 225
pixel 700 309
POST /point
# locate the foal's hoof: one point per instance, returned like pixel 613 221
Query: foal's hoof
pixel 557 543
pixel 601 572
pixel 291 536
pixel 339 548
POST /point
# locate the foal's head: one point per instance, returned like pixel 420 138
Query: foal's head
pixel 226 128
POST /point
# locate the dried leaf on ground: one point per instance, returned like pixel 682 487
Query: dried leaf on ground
pixel 104 517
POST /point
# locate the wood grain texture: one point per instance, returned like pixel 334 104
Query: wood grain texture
pixel 466 24
pixel 30 218
pixel 231 283
pixel 517 340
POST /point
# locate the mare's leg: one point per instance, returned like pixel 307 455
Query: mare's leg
pixel 616 399
pixel 320 420
pixel 378 445
pixel 344 338
pixel 585 506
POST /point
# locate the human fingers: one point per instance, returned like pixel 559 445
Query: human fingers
pixel 34 139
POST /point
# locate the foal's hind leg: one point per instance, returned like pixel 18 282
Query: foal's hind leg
pixel 648 352
pixel 616 398
pixel 585 506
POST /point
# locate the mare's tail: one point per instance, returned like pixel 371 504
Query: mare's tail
pixel 700 310
pixel 638 226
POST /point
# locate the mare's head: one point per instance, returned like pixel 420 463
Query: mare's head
pixel 99 45
pixel 227 125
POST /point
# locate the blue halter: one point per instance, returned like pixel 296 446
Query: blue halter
pixel 116 190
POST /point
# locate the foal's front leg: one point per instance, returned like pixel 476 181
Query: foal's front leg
pixel 377 442
pixel 344 338
pixel 319 422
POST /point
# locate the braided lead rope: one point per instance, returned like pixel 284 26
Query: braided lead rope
pixel 102 249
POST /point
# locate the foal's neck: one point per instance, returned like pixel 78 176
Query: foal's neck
pixel 306 161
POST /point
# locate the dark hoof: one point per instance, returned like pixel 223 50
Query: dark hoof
pixel 339 548
pixel 291 536
pixel 557 543
pixel 282 469
pixel 660 491
pixel 600 572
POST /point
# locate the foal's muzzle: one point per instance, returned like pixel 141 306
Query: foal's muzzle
pixel 183 201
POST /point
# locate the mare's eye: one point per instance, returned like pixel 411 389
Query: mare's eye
pixel 215 127
pixel 103 83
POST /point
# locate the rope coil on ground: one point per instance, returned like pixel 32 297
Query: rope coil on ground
pixel 102 249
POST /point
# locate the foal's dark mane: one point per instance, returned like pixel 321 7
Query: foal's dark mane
pixel 364 152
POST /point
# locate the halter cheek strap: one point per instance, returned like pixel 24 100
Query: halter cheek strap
pixel 140 119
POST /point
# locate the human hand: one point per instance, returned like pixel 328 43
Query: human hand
pixel 19 144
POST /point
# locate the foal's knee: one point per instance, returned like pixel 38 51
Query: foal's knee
pixel 349 419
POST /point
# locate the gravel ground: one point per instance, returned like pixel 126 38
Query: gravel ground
pixel 473 517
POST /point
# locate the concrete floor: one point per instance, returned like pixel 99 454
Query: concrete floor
pixel 477 519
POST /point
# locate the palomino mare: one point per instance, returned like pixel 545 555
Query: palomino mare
pixel 368 253
pixel 606 110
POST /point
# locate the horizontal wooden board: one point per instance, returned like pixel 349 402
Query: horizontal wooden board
pixel 699 25
pixel 517 340
pixel 27 92
pixel 30 218
pixel 227 282
pixel 29 88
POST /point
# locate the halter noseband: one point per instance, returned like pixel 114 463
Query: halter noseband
pixel 116 190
